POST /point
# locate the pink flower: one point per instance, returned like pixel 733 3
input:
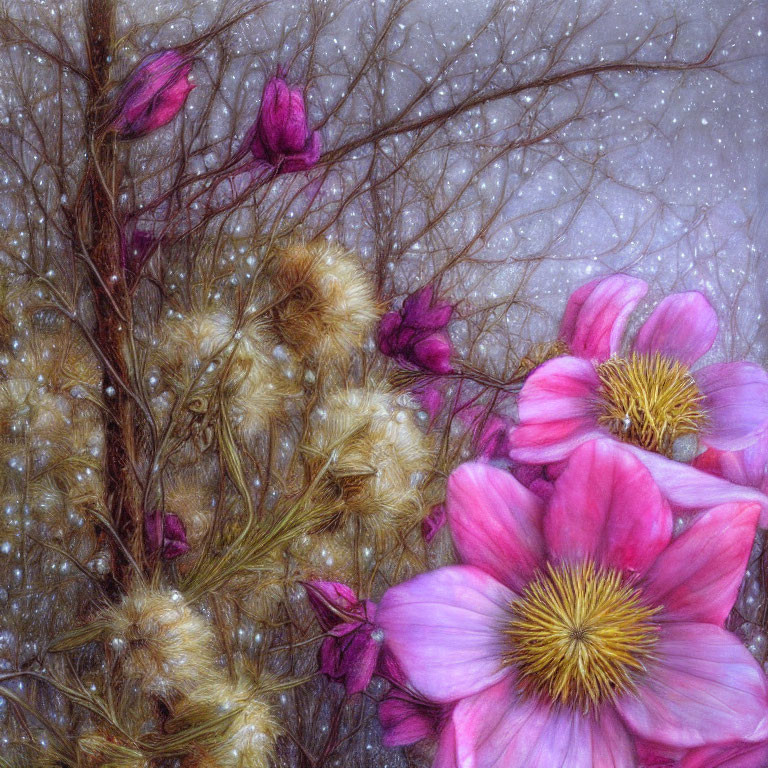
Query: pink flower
pixel 415 336
pixel 281 136
pixel 351 652
pixel 165 533
pixel 647 398
pixel 152 95
pixel 579 625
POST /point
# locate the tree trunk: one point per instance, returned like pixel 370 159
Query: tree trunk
pixel 99 227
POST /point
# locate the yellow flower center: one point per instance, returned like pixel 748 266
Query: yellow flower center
pixel 579 635
pixel 649 400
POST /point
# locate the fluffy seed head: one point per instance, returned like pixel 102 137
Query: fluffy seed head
pixel 325 304
pixel 579 634
pixel 649 400
pixel 248 740
pixel 198 350
pixel 375 458
pixel 160 643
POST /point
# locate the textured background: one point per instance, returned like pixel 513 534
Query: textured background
pixel 658 170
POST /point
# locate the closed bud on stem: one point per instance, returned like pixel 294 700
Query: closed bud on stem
pixel 281 136
pixel 152 95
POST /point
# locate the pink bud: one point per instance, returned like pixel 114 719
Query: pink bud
pixel 351 652
pixel 333 603
pixel 165 533
pixel 152 95
pixel 415 336
pixel 281 136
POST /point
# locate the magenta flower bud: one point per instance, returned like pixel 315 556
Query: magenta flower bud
pixel 152 95
pixel 351 653
pixel 281 136
pixel 165 533
pixel 333 603
pixel 415 336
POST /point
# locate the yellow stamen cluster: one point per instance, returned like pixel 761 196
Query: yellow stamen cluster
pixel 579 634
pixel 649 400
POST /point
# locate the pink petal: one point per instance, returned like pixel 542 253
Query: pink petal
pixel 359 655
pixel 434 353
pixel 402 724
pixel 703 687
pixel 728 756
pixel 736 403
pixel 556 411
pixel 652 755
pixel 596 314
pixel 433 522
pixel 683 327
pixel 496 523
pixel 387 332
pixel 303 161
pixel 445 757
pixel 498 728
pixel 697 577
pixel 275 110
pixel 295 131
pixel 443 628
pixel 746 467
pixel 405 719
pixel 333 603
pixel 607 508
pixel 725 464
pixel 687 488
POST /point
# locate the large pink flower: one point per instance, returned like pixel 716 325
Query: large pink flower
pixel 647 397
pixel 579 625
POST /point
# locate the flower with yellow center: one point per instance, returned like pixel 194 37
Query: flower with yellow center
pixel 649 400
pixel 578 626
pixel 579 634
pixel 648 393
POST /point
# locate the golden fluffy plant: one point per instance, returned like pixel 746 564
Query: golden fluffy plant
pixel 250 727
pixel 376 460
pixel 159 643
pixel 324 302
pixel 95 750
pixel 210 358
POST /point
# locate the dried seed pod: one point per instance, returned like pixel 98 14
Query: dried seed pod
pixel 325 305
pixel 160 643
pixel 371 458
